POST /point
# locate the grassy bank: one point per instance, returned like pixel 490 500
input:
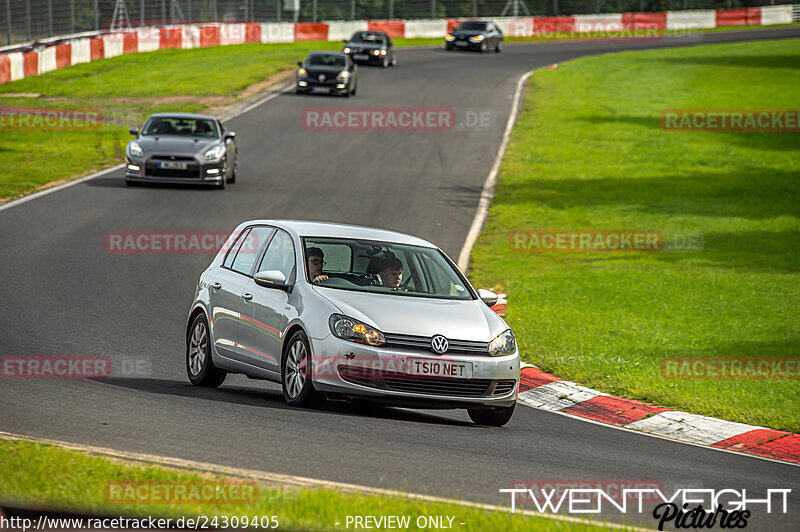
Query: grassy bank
pixel 45 475
pixel 588 152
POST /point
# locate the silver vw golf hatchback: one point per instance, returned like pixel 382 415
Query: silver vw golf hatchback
pixel 348 312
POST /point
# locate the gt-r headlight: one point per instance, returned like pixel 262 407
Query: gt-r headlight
pixel 343 75
pixel 355 331
pixel 135 149
pixel 376 52
pixel 504 344
pixel 215 153
pixel 449 38
pixel 346 49
pixel 477 38
pixel 302 73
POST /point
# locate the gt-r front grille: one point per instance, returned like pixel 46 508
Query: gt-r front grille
pixel 400 382
pixel 423 343
pixel 173 158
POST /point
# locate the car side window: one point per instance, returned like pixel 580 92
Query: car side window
pixel 279 256
pixel 234 248
pixel 251 245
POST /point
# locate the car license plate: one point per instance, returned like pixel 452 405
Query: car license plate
pixel 461 43
pixel 426 367
pixel 360 57
pixel 173 165
pixel 321 90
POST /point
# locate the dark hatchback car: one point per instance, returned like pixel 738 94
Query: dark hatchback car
pixel 475 35
pixel 181 148
pixel 325 72
pixel 371 47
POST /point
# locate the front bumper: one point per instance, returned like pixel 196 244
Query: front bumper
pixel 457 45
pixel 370 60
pixel 312 86
pixel 142 171
pixel 351 369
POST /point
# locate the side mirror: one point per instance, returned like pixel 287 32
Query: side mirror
pixel 230 135
pixel 134 131
pixel 271 279
pixel 487 296
pixel 300 63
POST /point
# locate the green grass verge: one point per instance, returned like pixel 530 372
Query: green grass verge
pixel 588 152
pixel 45 475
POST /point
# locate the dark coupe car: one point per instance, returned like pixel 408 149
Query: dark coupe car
pixel 475 35
pixel 371 47
pixel 325 72
pixel 181 148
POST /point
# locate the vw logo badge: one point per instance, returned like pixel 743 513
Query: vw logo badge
pixel 439 344
pixel 321 78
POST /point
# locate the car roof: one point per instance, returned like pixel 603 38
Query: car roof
pixel 372 32
pixel 303 228
pixel 326 52
pixel 182 115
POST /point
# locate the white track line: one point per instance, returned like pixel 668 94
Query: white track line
pixel 488 186
pixel 297 481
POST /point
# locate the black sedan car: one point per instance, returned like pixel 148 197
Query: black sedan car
pixel 325 72
pixel 181 148
pixel 475 35
pixel 371 47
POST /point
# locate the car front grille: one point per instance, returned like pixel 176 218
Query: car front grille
pixel 423 343
pixel 180 158
pixel 192 171
pixel 400 382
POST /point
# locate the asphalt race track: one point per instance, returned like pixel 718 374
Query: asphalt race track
pixel 63 294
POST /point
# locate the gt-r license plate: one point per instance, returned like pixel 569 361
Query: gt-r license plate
pixel 173 165
pixel 321 90
pixel 360 57
pixel 461 43
pixel 425 367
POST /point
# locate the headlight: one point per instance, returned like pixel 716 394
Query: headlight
pixel 302 73
pixel 346 50
pixel 135 149
pixel 355 331
pixel 505 344
pixel 376 52
pixel 449 37
pixel 383 52
pixel 215 153
pixel 477 38
pixel 344 74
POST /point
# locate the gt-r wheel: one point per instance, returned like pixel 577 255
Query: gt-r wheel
pixel 235 171
pixel 199 366
pixel 298 390
pixel 491 417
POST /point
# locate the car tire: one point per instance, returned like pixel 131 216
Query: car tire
pixel 235 171
pixel 394 60
pixel 483 47
pixel 498 48
pixel 354 89
pixel 491 417
pixel 385 61
pixel 298 390
pixel 448 48
pixel 298 91
pixel 199 366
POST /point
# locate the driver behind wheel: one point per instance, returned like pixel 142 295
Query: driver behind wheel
pixel 315 263
pixel 391 271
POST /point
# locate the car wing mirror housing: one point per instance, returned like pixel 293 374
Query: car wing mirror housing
pixel 271 279
pixel 134 131
pixel 487 296
pixel 230 135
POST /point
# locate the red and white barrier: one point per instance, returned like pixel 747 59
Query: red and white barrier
pixel 18 65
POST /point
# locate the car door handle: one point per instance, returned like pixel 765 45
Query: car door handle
pixel 247 297
pixel 216 286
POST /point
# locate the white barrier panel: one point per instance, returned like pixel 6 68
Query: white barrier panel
pixel 343 30
pixel 81 51
pixel 47 60
pixel 598 23
pixel 691 20
pixel 277 32
pixel 17 66
pixel 191 36
pixel 776 15
pixel 520 27
pixel 426 28
pixel 113 44
pixel 503 23
pixel 148 39
pixel 232 33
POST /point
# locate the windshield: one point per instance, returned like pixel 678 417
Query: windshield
pixel 472 26
pixel 383 267
pixel 364 36
pixel 326 60
pixel 189 127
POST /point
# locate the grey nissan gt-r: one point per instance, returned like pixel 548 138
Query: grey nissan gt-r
pixel 182 148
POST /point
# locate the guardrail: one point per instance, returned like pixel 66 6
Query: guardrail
pixel 32 59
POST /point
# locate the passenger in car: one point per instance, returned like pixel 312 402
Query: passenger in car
pixel 315 263
pixel 391 271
